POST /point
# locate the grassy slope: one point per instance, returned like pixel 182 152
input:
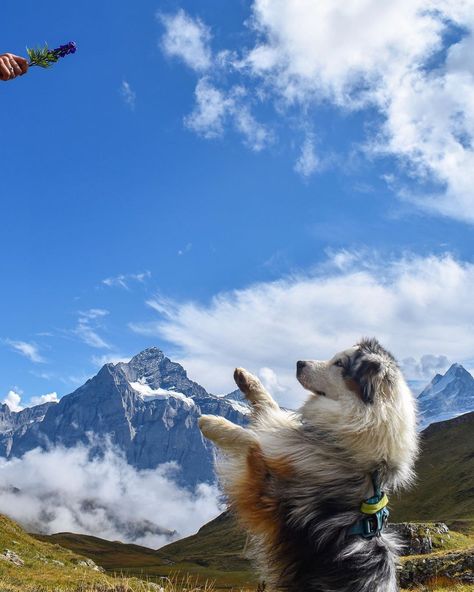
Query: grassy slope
pixel 445 476
pixel 49 567
pixel 213 553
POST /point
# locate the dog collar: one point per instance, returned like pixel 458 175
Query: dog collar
pixel 375 513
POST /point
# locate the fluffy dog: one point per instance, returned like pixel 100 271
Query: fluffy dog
pixel 296 481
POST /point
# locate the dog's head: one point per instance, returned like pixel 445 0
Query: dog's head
pixel 361 371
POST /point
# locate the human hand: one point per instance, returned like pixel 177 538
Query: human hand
pixel 12 66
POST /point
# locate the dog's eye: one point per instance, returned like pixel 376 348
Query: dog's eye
pixel 339 363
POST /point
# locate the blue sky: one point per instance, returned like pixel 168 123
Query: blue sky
pixel 243 183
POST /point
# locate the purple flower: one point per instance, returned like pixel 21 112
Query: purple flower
pixel 64 50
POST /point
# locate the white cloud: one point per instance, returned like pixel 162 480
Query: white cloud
pixel 425 367
pixel 123 280
pixel 270 381
pixel 129 96
pixel 13 400
pixel 86 328
pixel 187 38
pixel 391 62
pixel 14 396
pixel 215 109
pixel 105 496
pixel 416 306
pixel 48 398
pixel 308 162
pixel 29 350
pixel 211 111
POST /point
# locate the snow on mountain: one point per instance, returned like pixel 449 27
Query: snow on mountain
pixel 148 407
pixel 446 396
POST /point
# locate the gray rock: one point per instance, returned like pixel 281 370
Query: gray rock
pixel 458 566
pixel 12 557
pixel 417 538
pixel 89 564
pixel 149 409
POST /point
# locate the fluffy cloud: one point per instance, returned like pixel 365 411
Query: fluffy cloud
pixel 409 66
pixel 188 39
pixel 13 400
pixel 48 398
pixel 29 350
pixel 416 306
pixel 214 110
pixel 103 496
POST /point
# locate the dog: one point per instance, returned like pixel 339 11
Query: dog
pixel 305 485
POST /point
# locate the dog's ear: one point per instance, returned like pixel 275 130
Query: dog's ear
pixel 369 377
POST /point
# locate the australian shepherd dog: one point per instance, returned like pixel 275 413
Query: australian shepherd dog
pixel 296 480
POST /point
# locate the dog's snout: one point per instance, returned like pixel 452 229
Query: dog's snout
pixel 300 364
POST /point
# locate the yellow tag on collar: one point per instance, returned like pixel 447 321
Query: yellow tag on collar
pixel 366 508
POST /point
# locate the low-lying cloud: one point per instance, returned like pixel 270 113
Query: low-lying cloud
pixel 66 490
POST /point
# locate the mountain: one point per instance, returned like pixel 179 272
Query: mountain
pixel 446 396
pixel 148 407
pixel 11 421
pixel 444 487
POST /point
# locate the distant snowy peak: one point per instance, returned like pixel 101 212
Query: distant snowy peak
pixel 238 401
pixel 447 396
pixel 154 369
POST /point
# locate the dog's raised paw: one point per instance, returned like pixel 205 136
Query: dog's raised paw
pixel 206 423
pixel 244 380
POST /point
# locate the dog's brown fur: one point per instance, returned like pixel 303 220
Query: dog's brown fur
pixel 295 481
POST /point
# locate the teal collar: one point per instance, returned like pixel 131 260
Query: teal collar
pixel 375 512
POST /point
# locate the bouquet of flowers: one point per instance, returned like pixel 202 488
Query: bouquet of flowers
pixel 45 57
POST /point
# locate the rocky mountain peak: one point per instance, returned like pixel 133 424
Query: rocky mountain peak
pixel 458 371
pixel 447 396
pixel 154 370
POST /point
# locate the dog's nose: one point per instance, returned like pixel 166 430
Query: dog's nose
pixel 300 365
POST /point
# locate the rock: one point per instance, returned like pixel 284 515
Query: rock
pixel 417 538
pixel 89 564
pixel 12 557
pixel 457 566
pixel 57 562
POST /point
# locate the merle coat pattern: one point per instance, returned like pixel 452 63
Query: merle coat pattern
pixel 295 480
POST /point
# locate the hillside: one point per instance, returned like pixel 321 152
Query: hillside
pixel 30 565
pixel 213 553
pixel 445 475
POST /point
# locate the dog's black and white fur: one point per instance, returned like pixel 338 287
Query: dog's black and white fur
pixel 296 480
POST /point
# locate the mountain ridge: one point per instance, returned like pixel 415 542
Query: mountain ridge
pixel 149 409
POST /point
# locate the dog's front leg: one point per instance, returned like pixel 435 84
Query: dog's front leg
pixel 254 391
pixel 225 434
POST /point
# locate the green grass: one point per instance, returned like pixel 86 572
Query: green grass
pixel 445 476
pixel 52 568
pixel 214 553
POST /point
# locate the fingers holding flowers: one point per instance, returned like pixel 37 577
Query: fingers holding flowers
pixel 12 66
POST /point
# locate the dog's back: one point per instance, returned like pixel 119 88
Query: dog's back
pixel 296 481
